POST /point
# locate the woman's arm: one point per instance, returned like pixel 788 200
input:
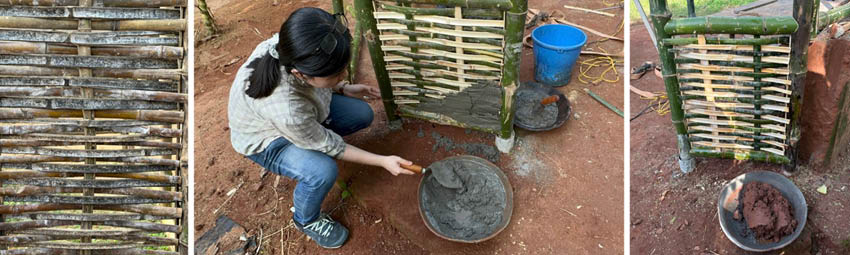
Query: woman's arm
pixel 390 163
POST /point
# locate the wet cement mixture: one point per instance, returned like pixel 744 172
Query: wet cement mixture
pixel 478 149
pixel 471 212
pixel 767 213
pixel 533 114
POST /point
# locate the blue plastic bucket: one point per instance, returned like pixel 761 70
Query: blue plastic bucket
pixel 556 49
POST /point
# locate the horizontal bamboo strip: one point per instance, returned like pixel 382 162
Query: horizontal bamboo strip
pixel 66 128
pixel 467 12
pixel 95 169
pixel 716 94
pixel 406 101
pixel 732 47
pixel 87 246
pixel 85 104
pixel 503 5
pixel 470 34
pixel 777 119
pixel 106 3
pixel 466 67
pixel 89 216
pixel 112 94
pixel 450 82
pixel 15 175
pixel 465 45
pixel 84 123
pixel 716 57
pixel 778 81
pixel 714 77
pixel 24 240
pixel 17 142
pixel 402 84
pixel 719 113
pixel 95 184
pixel 462 56
pixel 721 122
pixel 775 143
pixel 724 145
pixel 460 22
pixel 720 129
pixel 776 60
pixel 784 40
pixel 782 71
pixel 166 52
pixel 106 13
pixel 46 251
pixel 168 25
pixel 163 116
pixel 714 68
pixel 170 212
pixel 774 151
pixel 146 193
pixel 88 153
pixel 87 61
pixel 86 200
pixel 16 70
pixel 728 25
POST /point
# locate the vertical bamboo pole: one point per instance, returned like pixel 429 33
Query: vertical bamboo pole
pixel 514 31
pixel 803 13
pixel 338 6
pixel 182 87
pixel 691 9
pixel 355 46
pixel 365 16
pixel 85 26
pixel 207 17
pixel 660 15
pixel 412 38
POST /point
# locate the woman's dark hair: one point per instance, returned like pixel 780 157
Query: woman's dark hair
pixel 300 47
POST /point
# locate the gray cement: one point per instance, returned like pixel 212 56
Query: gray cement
pixel 477 149
pixel 471 212
pixel 531 113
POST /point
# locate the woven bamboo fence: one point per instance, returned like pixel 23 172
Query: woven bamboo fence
pixel 447 61
pixel 93 98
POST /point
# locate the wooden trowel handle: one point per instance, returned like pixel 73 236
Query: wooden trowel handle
pixel 549 100
pixel 415 168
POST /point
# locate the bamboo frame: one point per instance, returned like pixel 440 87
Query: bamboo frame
pixel 734 97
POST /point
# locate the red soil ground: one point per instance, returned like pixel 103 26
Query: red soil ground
pixel 568 183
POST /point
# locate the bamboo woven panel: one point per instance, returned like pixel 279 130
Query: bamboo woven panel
pixel 436 53
pixel 92 107
pixel 736 94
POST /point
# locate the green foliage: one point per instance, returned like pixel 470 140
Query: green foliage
pixel 680 7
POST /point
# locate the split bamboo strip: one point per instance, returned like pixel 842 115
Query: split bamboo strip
pixel 105 3
pixel 169 25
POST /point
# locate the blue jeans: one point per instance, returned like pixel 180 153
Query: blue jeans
pixel 314 172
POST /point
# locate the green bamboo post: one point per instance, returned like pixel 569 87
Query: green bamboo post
pixel 660 16
pixel 803 10
pixel 505 5
pixel 364 10
pixel 515 29
pixel 355 46
pixel 832 16
pixel 207 17
pixel 338 6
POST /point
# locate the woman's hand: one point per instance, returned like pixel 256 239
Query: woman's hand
pixel 393 165
pixel 360 91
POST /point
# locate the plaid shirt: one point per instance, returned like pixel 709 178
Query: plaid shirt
pixel 294 111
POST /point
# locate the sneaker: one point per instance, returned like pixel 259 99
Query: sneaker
pixel 327 233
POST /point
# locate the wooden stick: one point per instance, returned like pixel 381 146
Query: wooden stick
pixel 589 10
pixel 562 21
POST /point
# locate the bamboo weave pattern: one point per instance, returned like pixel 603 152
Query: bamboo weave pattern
pixel 736 94
pixel 434 52
pixel 92 107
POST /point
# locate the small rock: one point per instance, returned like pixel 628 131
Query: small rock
pixel 637 222
pixel 211 162
pixel 226 128
pixel 822 189
pixel 696 248
pixel 379 221
pixel 576 116
pixel 737 215
pixel 199 227
pixel 572 96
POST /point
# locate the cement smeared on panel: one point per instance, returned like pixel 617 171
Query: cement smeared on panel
pixel 471 212
pixel 530 112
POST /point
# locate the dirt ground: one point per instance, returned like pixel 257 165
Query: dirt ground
pixel 675 214
pixel 568 183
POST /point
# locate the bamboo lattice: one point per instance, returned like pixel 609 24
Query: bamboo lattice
pixel 93 98
pixel 735 91
pixel 434 52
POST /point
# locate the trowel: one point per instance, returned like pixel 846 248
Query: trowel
pixel 448 179
pixel 545 101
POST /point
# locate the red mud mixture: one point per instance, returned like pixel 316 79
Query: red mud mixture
pixel 767 213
